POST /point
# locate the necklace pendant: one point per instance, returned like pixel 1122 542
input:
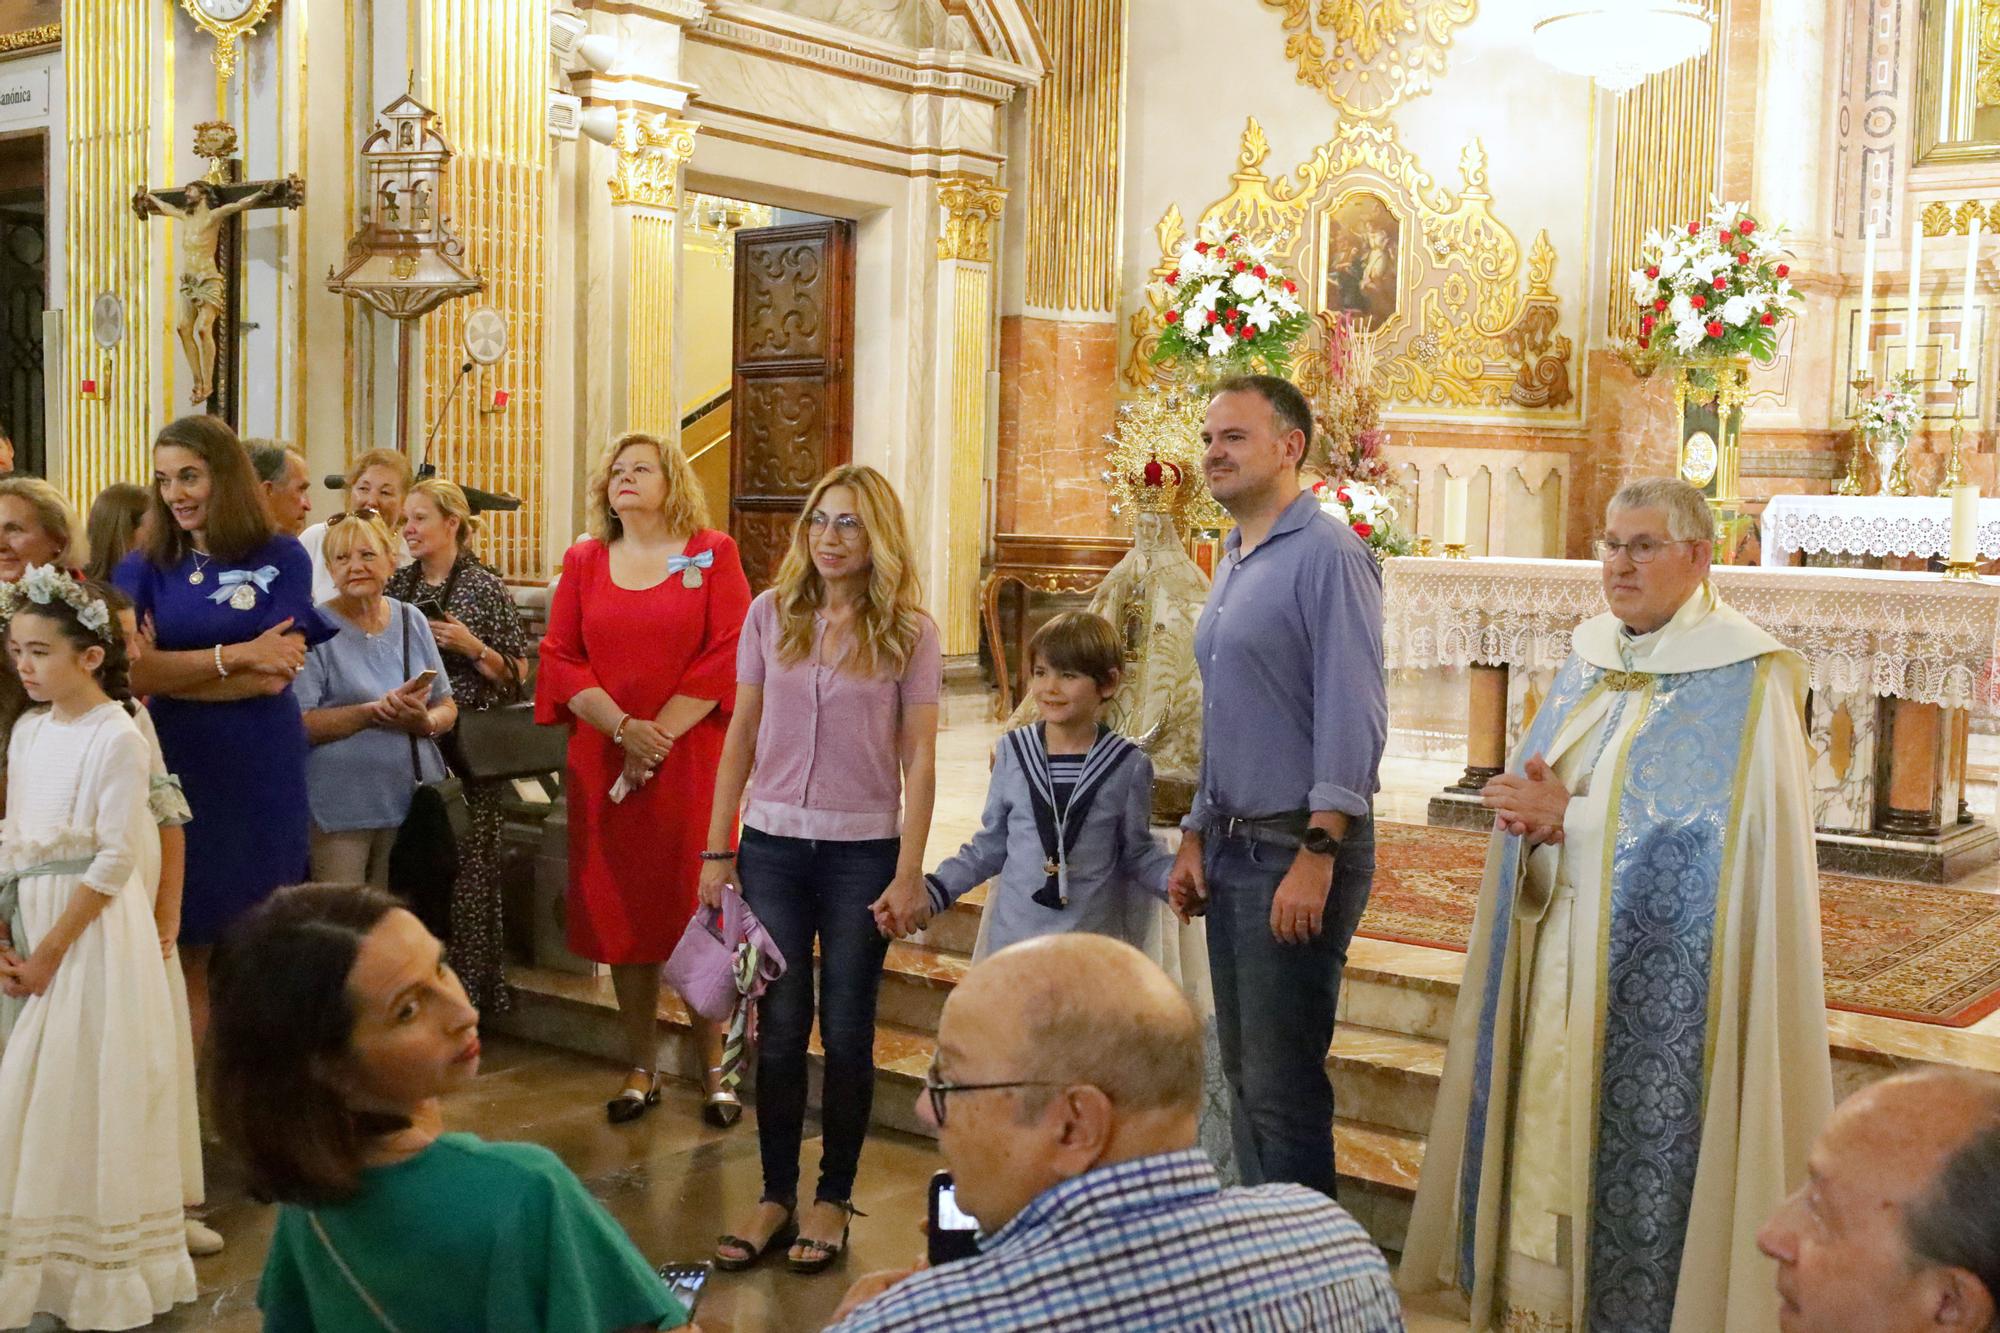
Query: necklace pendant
pixel 196 578
pixel 690 577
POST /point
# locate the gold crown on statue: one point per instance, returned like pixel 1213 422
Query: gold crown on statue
pixel 1158 487
pixel 1154 463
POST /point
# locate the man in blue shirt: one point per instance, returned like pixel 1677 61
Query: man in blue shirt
pixel 1065 1093
pixel 1279 849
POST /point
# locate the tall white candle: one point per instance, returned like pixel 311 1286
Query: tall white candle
pixel 1964 524
pixel 1455 489
pixel 1866 348
pixel 1965 298
pixel 1916 294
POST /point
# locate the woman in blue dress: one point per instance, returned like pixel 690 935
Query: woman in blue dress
pixel 228 600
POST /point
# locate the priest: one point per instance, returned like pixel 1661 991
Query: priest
pixel 1638 1062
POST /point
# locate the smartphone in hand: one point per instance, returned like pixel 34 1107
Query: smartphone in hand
pixel 421 682
pixel 686 1282
pixel 954 1234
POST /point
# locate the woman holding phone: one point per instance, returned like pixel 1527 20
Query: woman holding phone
pixel 375 696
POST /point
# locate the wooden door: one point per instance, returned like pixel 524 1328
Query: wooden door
pixel 791 380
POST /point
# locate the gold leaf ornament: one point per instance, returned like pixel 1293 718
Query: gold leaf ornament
pixel 1369 56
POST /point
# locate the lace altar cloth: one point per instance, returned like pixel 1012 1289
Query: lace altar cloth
pixel 1910 636
pixel 1875 525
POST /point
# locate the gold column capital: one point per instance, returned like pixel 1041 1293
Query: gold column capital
pixel 651 151
pixel 971 207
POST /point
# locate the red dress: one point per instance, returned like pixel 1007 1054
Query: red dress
pixel 633 866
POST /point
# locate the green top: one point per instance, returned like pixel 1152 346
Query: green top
pixel 466 1235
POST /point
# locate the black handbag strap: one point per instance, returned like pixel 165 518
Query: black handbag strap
pixel 403 610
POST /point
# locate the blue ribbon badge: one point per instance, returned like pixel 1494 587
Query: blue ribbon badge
pixel 689 567
pixel 236 586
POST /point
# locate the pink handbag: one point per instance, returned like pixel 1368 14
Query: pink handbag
pixel 708 969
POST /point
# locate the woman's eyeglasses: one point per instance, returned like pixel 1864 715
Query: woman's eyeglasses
pixel 847 527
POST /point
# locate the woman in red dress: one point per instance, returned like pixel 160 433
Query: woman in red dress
pixel 640 660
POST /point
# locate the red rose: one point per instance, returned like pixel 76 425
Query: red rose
pixel 1212 317
pixel 1652 270
pixel 1768 320
pixel 1201 247
pixel 1784 270
pixel 1291 286
pixel 1248 333
pixel 1715 328
pixel 1742 256
pixel 1720 282
pixel 1259 271
pixel 1173 317
pixel 1747 225
pixel 1174 278
pixel 1221 253
pixel 1694 229
pixel 1235 236
pixel 1660 306
pixel 1240 266
pixel 1645 342
pixel 1341 495
pixel 1726 238
pixel 1698 300
pixel 1645 323
pixel 1364 530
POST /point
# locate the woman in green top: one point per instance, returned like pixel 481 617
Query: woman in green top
pixel 337 1028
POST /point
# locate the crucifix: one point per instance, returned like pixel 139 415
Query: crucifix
pixel 208 304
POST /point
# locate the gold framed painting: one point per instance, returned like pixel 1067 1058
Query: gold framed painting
pixel 1361 266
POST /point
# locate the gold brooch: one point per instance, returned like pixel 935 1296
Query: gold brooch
pixel 1624 681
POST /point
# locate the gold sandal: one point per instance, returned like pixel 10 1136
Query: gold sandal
pixel 723 1107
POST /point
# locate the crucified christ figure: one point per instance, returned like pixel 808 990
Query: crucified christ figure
pixel 202 289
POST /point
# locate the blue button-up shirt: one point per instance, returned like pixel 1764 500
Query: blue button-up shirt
pixel 1295 710
pixel 1155 1244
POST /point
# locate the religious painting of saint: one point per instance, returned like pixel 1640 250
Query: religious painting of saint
pixel 1361 249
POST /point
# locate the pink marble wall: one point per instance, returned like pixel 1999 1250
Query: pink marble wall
pixel 1058 398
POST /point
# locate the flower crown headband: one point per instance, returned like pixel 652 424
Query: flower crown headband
pixel 44 585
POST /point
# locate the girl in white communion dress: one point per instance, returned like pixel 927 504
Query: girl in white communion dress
pixel 91 1227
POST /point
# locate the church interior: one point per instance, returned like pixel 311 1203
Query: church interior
pixel 946 239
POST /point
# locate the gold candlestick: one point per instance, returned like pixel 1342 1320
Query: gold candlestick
pixel 1954 467
pixel 1851 483
pixel 1966 572
pixel 1455 551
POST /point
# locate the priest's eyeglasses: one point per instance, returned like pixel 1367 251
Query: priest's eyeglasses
pixel 938 1089
pixel 1643 550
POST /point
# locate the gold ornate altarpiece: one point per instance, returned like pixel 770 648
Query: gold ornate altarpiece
pixel 1467 333
pixel 1369 56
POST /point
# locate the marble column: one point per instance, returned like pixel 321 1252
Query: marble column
pixel 1916 743
pixel 965 338
pixel 1485 726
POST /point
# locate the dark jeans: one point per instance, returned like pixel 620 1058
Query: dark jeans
pixel 1274 1003
pixel 802 889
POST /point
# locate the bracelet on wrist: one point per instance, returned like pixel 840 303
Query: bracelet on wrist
pixel 718 856
pixel 221 670
pixel 618 732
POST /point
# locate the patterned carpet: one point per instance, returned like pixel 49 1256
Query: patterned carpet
pixel 1913 951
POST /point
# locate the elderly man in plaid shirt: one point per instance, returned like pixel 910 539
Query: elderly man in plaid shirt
pixel 1065 1094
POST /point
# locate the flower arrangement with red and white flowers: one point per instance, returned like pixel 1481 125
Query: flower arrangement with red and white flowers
pixel 1228 304
pixel 1713 289
pixel 1366 509
pixel 1890 414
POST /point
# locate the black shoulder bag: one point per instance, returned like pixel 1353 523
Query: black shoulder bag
pixel 423 863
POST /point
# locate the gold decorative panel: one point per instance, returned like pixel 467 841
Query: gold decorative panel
pixel 1667 131
pixel 1986 81
pixel 649 343
pixel 1463 330
pixel 486 73
pixel 1070 189
pixel 651 149
pixel 110 71
pixel 1943 217
pixel 1367 56
pixel 971 208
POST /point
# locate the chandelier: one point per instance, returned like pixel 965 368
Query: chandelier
pixel 1620 42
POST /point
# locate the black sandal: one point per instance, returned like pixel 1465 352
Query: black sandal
pixel 820 1255
pixel 630 1103
pixel 752 1255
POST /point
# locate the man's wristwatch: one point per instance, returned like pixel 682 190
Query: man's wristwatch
pixel 1319 842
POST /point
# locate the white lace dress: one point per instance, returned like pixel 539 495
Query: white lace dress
pixel 90 1171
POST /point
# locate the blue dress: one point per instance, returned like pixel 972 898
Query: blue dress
pixel 241 763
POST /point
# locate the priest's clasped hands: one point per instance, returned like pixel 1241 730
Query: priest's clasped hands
pixel 1529 804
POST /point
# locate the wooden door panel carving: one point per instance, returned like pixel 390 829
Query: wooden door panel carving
pixel 791 380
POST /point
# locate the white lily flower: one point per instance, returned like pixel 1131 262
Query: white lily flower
pixel 1262 313
pixel 1643 287
pixel 1672 263
pixel 1283 300
pixel 1688 335
pixel 1246 285
pixel 1219 342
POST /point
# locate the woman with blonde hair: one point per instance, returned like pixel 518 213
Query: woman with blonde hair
pixel 37 527
pixel 375 698
pixel 485 654
pixel 640 662
pixel 835 738
pixel 378 480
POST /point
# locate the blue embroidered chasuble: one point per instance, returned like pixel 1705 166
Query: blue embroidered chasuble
pixel 1668 847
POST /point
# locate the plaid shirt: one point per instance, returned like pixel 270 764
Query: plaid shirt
pixel 1156 1244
